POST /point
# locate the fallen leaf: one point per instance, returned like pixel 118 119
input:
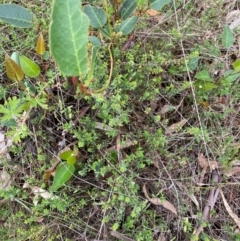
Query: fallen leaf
pixel 4 144
pixel 39 192
pixel 234 171
pixel 205 104
pixel 190 195
pixel 229 210
pixel 152 12
pixel 162 237
pixel 156 201
pixel 167 108
pixel 176 126
pixel 202 161
pixel 5 180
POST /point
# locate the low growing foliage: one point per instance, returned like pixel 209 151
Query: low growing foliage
pixel 106 108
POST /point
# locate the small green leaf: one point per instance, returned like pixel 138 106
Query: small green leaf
pixel 158 4
pixel 97 16
pixel 65 155
pixel 72 159
pixel 193 63
pixel 236 65
pixel 95 41
pixel 231 78
pixel 127 25
pixel 16 15
pixel 204 85
pixel 63 173
pixel 203 75
pixel 15 57
pixel 227 37
pixel 69 37
pixel 30 68
pixel 127 8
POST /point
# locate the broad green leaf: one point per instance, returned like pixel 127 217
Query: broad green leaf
pixel 204 85
pixel 227 37
pixel 236 65
pixel 95 41
pixel 97 16
pixel 13 70
pixel 15 57
pixel 127 8
pixel 63 173
pixel 40 47
pixel 203 75
pixel 16 15
pixel 30 68
pixel 69 37
pixel 127 25
pixel 158 4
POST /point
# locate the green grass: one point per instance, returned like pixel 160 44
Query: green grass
pixel 124 139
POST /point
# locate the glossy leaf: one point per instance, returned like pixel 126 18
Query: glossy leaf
pixel 203 75
pixel 236 65
pixel 16 15
pixel 127 8
pixel 127 25
pixel 15 57
pixel 13 70
pixel 227 37
pixel 97 16
pixel 40 47
pixel 64 172
pixel 30 68
pixel 69 37
pixel 158 4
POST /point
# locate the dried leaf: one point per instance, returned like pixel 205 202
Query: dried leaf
pixel 85 90
pixel 156 201
pixel 5 180
pixel 167 108
pixel 186 190
pixel 152 12
pixel 162 237
pixel 39 192
pixel 13 70
pixel 176 127
pixel 229 210
pixel 202 161
pixel 205 104
pixel 4 144
pixel 234 171
pixel 40 48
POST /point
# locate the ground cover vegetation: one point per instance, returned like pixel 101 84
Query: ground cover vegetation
pixel 119 120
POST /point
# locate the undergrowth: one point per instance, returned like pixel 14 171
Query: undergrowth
pixel 129 137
